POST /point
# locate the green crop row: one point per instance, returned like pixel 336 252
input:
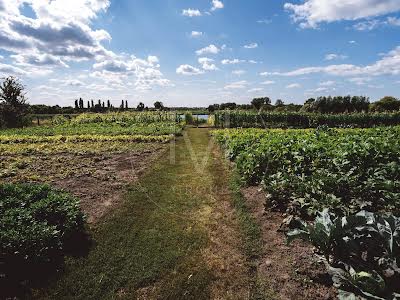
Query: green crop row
pixel 128 118
pixel 235 119
pixel 304 171
pixel 162 128
pixel 29 139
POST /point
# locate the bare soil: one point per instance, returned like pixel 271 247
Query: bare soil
pixel 98 180
pixel 292 272
pixel 102 190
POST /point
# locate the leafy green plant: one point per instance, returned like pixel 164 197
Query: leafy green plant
pixel 37 226
pixel 304 171
pixel 362 252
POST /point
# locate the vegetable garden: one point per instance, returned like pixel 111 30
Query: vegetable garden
pixel 39 224
pixel 249 119
pixel 352 175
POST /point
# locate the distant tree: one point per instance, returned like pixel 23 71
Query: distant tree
pixel 228 105
pixel 335 105
pixel 126 104
pixel 88 105
pixel 92 103
pixel 140 106
pixel 211 108
pixel 103 105
pixel 108 104
pixel 81 106
pixel 387 103
pixel 99 102
pixel 13 103
pixel 158 105
pixel 122 104
pixel 279 103
pixel 76 104
pixel 260 102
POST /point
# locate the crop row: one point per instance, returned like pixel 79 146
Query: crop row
pixel 29 139
pixel 305 171
pixel 128 118
pixel 353 177
pixel 235 119
pixel 163 128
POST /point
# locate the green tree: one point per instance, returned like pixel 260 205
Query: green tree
pixel 260 102
pixel 387 103
pixel 158 105
pixel 140 106
pixel 279 103
pixel 13 104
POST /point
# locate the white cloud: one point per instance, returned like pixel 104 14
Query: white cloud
pixel 327 83
pixel 251 46
pixel 238 72
pixel 388 65
pixel 216 4
pixel 59 33
pixel 255 90
pixel 188 70
pixel 360 80
pixel 237 85
pixel 333 56
pixel 293 86
pixel 367 25
pixel 145 72
pixel 232 61
pixel 191 12
pixel 268 82
pixel 393 21
pixel 196 34
pixel 352 42
pixel 6 70
pixel 207 64
pixel 375 23
pixel 211 49
pixel 264 21
pixel 312 12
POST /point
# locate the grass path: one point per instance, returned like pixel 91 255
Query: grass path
pixel 177 236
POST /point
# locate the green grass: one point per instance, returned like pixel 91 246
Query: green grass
pixel 154 239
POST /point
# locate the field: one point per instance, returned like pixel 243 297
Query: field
pixel 144 206
pixel 347 179
pixel 90 155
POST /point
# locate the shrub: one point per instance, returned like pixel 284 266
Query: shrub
pixel 362 252
pixel 38 225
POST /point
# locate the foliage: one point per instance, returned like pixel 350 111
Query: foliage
pixel 386 104
pixel 339 104
pixel 362 251
pixel 304 171
pixel 13 105
pixel 260 102
pixel 248 119
pixel 37 225
pixel 158 105
pixel 127 118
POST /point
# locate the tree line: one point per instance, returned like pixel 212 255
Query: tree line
pixel 324 104
pixel 14 108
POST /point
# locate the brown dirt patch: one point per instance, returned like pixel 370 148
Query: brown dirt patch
pixel 102 190
pixel 292 272
pixel 96 179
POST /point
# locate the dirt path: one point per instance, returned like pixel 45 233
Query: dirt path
pixel 175 236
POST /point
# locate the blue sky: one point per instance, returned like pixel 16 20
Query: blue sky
pixel 195 53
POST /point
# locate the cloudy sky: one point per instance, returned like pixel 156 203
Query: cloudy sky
pixel 198 52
